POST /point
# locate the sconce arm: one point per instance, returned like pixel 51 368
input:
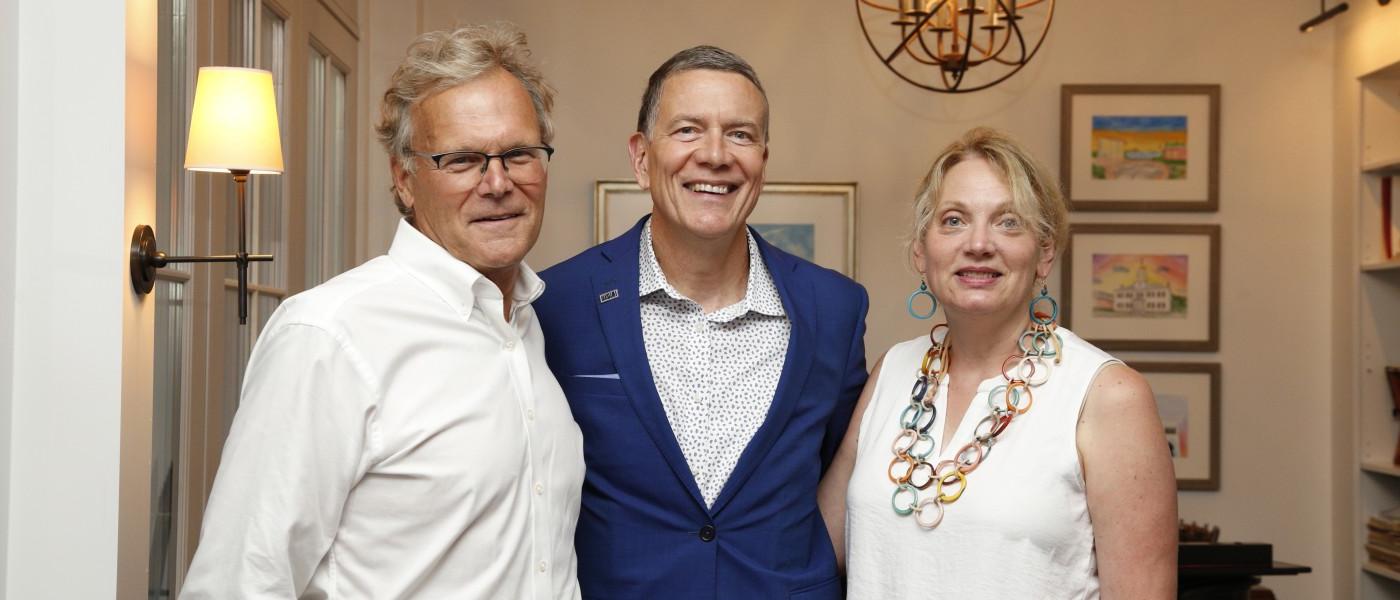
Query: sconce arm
pixel 146 258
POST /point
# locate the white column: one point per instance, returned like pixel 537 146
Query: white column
pixel 75 406
pixel 9 164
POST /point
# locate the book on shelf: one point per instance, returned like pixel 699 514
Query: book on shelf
pixel 1383 538
pixel 1387 558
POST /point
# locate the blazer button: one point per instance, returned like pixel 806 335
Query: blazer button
pixel 707 533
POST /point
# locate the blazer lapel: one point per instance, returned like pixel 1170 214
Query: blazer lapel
pixel 797 297
pixel 622 326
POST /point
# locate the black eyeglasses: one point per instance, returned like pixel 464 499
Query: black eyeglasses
pixel 527 164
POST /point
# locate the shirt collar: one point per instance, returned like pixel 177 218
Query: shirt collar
pixel 760 294
pixel 456 282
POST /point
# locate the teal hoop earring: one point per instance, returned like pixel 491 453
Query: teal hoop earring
pixel 922 291
pixel 1054 314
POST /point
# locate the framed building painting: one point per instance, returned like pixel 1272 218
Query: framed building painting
pixel 1188 402
pixel 1141 147
pixel 815 221
pixel 1143 287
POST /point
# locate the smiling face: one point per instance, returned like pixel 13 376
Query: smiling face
pixel 487 221
pixel 703 161
pixel 977 255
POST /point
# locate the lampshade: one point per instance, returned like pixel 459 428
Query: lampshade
pixel 234 125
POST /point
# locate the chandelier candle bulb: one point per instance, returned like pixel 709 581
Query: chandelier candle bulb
pixel 968 61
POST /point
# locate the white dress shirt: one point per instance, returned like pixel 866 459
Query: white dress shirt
pixel 716 373
pixel 397 438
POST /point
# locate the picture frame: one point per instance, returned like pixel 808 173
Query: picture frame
pixel 815 221
pixel 1188 402
pixel 1143 287
pixel 1138 147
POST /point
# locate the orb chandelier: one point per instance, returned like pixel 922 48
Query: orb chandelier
pixel 955 46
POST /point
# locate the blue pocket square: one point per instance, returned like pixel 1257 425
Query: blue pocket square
pixel 603 376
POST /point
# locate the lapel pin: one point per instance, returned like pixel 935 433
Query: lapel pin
pixel 607 296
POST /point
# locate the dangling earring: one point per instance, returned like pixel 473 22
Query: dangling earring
pixel 1044 339
pixel 922 291
pixel 1044 319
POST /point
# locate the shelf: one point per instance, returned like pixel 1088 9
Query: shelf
pixel 1380 468
pixel 1389 264
pixel 1380 570
pixel 1385 166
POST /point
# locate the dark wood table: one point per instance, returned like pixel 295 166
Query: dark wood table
pixel 1227 582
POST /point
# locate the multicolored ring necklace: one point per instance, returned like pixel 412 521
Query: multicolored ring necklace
pixel 910 470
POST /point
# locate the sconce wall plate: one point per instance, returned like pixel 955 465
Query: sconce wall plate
pixel 143 259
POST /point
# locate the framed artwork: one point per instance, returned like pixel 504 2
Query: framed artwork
pixel 1188 401
pixel 1143 287
pixel 815 221
pixel 1141 147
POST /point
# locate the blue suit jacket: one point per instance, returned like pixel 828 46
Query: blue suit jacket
pixel 643 530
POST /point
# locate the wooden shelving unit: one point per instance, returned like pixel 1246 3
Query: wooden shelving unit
pixel 1382 166
pixel 1378 318
pixel 1389 264
pixel 1380 468
pixel 1380 570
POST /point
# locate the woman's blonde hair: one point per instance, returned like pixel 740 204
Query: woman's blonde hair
pixel 1035 192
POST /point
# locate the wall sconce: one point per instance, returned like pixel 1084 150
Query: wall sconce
pixel 1326 14
pixel 233 130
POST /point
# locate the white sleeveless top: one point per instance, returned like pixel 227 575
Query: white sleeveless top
pixel 1021 528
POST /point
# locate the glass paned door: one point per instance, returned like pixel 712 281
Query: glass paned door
pixel 326 204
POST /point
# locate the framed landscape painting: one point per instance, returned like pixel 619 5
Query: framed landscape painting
pixel 1141 147
pixel 815 221
pixel 1143 287
pixel 1188 402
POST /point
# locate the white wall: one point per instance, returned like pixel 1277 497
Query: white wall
pixel 840 116
pixel 9 161
pixel 65 174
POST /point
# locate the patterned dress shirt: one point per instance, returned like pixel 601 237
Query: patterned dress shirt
pixel 716 373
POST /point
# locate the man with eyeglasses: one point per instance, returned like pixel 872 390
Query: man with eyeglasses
pixel 713 375
pixel 399 433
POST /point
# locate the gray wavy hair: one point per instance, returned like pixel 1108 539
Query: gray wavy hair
pixel 441 60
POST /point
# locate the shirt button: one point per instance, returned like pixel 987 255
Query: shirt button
pixel 707 533
pixel 543 566
pixel 539 489
pixel 530 414
pixel 510 344
pixel 700 327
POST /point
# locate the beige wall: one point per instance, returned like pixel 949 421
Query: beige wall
pixel 839 116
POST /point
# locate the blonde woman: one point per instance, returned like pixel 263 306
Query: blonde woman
pixel 999 455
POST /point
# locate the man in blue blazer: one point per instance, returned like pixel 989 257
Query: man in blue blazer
pixel 712 374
